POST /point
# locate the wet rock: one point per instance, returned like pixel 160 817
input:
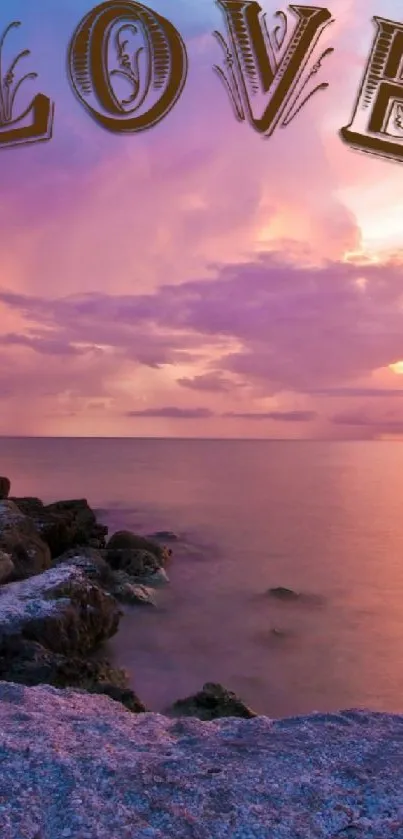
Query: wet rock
pixel 283 593
pixel 126 591
pixel 278 633
pixel 62 609
pixel 7 567
pixel 136 563
pixel 64 525
pixel 29 663
pixel 125 540
pixel 92 561
pixel 5 487
pixel 163 536
pixel 19 539
pixel 156 580
pixel 124 695
pixel 212 702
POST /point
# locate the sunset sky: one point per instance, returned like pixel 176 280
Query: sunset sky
pixel 195 279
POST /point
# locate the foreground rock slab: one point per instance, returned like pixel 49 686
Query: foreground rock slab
pixel 75 765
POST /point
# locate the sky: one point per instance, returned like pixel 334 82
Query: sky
pixel 197 279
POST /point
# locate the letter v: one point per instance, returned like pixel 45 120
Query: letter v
pixel 267 83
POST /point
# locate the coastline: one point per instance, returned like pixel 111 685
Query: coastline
pixel 209 761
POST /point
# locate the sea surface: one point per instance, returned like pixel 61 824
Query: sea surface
pixel 325 519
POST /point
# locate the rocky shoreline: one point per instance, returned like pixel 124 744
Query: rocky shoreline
pixel 81 757
pixel 62 583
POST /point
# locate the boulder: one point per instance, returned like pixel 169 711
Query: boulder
pixel 163 536
pixel 124 540
pixel 19 539
pixel 64 525
pixel 29 663
pixel 136 563
pixel 283 593
pixel 156 580
pixel 5 487
pixel 212 702
pixel 7 567
pixel 126 591
pixel 92 561
pixel 62 609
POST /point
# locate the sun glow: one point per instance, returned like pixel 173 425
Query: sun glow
pixel 397 368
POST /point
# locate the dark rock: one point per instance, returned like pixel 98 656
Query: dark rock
pixel 283 593
pixel 93 563
pixel 124 695
pixel 126 591
pixel 126 540
pixel 64 525
pixel 7 567
pixel 135 563
pixel 28 505
pixel 5 487
pixel 20 539
pixel 29 663
pixel 163 536
pixel 212 702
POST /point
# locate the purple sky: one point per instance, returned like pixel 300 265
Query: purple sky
pixel 196 279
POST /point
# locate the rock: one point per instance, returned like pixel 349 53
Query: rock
pixel 156 580
pixel 278 633
pixel 84 764
pixel 93 563
pixel 212 702
pixel 7 567
pixel 124 695
pixel 64 525
pixel 163 536
pixel 5 487
pixel 21 541
pixel 124 540
pixel 62 609
pixel 136 563
pixel 29 663
pixel 126 591
pixel 283 593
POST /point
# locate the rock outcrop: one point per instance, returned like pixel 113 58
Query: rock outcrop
pixel 76 765
pixel 59 593
pixel 283 593
pixel 5 486
pixel 51 624
pixel 124 541
pixel 210 703
pixel 19 538
pixel 64 525
pixel 61 609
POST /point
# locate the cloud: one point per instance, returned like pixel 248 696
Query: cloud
pixel 371 425
pixel 173 413
pixel 295 328
pixel 41 344
pixel 277 416
pixel 357 392
pixel 210 383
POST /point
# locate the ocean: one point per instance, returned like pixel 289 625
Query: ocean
pixel 325 519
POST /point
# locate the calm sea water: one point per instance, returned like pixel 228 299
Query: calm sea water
pixel 323 518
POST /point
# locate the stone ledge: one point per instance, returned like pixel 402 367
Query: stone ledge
pixel 77 765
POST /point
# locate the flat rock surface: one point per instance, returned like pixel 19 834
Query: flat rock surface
pixel 81 766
